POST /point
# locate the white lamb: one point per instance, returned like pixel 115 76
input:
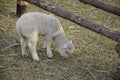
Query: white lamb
pixel 32 24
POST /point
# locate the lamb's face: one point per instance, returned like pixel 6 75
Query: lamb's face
pixel 67 49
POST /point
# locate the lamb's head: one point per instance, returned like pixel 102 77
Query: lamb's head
pixel 66 50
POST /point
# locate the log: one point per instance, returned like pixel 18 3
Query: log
pixel 104 6
pixel 21 7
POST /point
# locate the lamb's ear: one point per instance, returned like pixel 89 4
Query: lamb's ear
pixel 65 46
pixel 71 41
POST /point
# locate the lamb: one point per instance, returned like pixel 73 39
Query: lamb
pixel 33 24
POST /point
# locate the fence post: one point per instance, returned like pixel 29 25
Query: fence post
pixel 21 7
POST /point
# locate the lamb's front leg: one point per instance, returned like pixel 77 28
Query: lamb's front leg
pixel 47 45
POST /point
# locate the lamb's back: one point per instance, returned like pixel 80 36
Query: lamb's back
pixel 34 21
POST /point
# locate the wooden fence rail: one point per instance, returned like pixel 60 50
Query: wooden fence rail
pixel 104 6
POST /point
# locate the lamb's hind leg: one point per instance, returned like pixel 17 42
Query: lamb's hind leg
pixel 47 45
pixel 32 42
pixel 23 42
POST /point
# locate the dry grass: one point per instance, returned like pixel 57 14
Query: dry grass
pixel 93 59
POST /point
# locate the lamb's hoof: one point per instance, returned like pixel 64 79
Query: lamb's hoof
pixel 50 55
pixel 36 59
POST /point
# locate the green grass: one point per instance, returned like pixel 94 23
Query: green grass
pixel 94 57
